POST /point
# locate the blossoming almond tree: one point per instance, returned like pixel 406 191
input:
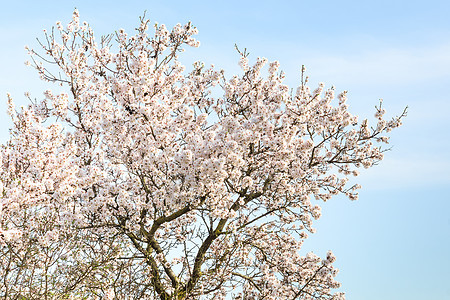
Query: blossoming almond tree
pixel 139 183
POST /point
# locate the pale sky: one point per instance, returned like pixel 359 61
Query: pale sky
pixel 394 242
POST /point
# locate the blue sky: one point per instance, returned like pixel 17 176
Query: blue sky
pixel 394 242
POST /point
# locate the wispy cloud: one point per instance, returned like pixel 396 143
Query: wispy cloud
pixel 385 66
pixel 407 173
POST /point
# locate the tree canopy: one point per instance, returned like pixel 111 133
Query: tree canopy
pixel 139 182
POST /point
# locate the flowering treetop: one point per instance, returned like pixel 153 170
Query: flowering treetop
pixel 141 180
